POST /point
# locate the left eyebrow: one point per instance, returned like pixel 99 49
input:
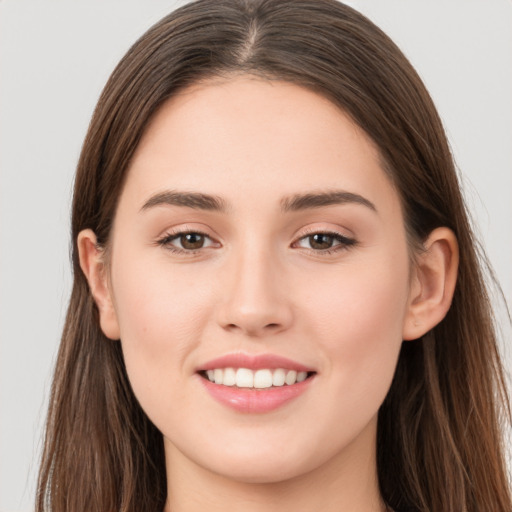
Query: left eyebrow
pixel 318 200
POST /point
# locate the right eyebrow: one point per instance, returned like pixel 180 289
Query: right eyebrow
pixel 194 200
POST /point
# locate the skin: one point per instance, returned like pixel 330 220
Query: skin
pixel 258 285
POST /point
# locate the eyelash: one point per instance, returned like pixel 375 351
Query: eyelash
pixel 345 243
pixel 166 240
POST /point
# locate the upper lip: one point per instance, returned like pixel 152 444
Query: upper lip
pixel 254 362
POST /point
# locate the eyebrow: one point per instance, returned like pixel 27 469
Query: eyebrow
pixel 297 202
pixel 194 200
pixel 321 199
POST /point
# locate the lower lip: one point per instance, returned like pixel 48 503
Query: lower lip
pixel 250 400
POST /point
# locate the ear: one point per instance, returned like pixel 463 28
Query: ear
pixel 432 283
pixel 94 267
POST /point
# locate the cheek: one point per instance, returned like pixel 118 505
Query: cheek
pixel 161 316
pixel 358 322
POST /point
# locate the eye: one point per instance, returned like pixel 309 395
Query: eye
pixel 188 241
pixel 325 242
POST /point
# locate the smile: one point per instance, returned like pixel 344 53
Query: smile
pixel 256 379
pixel 249 383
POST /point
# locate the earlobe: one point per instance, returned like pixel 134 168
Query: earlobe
pixel 432 284
pixel 93 266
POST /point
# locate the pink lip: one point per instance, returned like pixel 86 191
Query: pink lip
pixel 254 362
pixel 248 400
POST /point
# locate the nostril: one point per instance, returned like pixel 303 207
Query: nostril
pixel 254 329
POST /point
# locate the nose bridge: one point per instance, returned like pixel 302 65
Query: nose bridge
pixel 254 299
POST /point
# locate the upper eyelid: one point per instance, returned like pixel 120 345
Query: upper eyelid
pixel 328 231
pixel 307 232
pixel 314 231
pixel 184 229
pixel 173 235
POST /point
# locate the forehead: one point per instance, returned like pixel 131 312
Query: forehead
pixel 257 139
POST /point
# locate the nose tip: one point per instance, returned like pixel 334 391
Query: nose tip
pixel 255 302
pixel 263 316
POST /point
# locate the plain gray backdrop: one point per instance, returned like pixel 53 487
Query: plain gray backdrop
pixel 55 57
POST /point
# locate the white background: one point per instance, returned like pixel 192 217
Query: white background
pixel 55 57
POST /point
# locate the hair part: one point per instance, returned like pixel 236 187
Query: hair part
pixel 439 437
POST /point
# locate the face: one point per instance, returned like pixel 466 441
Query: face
pixel 258 230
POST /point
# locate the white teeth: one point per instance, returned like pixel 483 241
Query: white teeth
pixel 301 376
pixel 244 378
pixel 263 379
pixel 229 377
pixel 259 379
pixel 217 375
pixel 278 377
pixel 291 377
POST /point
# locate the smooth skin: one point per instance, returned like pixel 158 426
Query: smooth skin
pixel 332 286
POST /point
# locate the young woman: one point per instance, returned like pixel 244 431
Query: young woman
pixel 277 299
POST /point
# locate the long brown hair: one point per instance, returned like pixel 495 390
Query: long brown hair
pixel 439 429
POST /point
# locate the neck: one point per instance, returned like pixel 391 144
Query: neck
pixel 346 482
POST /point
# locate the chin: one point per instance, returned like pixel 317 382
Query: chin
pixel 260 472
pixel 257 463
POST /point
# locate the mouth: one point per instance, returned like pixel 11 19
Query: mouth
pixel 255 383
pixel 263 378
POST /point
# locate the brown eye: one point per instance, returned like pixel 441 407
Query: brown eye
pixel 191 241
pixel 321 241
pixel 325 243
pixel 187 242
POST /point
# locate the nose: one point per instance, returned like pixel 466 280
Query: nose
pixel 255 300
